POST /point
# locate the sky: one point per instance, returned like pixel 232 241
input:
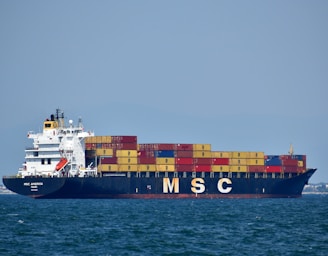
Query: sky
pixel 239 75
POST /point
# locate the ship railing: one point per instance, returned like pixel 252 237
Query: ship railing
pixel 12 176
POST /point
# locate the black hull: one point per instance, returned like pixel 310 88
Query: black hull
pixel 159 187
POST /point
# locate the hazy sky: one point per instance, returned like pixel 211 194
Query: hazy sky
pixel 240 75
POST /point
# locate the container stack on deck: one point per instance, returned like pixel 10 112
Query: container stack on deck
pixel 123 154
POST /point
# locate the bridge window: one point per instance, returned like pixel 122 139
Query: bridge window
pixel 47 125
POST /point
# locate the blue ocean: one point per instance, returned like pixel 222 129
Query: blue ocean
pixel 164 227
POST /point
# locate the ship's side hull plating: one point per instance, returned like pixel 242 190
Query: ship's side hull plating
pixel 159 187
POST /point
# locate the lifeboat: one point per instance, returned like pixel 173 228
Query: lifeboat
pixel 61 164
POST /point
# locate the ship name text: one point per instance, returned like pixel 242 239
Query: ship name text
pixel 33 185
pixel 197 185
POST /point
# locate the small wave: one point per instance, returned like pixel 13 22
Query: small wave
pixel 12 214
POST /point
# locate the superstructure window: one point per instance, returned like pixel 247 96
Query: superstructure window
pixel 49 160
pixel 42 161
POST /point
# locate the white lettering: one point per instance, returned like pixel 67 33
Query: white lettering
pixel 197 185
pixel 27 184
pixel 169 187
pixel 227 189
pixel 37 184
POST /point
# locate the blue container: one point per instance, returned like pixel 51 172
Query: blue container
pixel 273 160
pixel 298 157
pixel 164 153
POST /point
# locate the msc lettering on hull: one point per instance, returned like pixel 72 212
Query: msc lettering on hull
pixel 197 185
pixel 169 187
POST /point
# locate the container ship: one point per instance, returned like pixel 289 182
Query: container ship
pixel 66 161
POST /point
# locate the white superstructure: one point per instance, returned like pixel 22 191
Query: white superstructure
pixel 58 151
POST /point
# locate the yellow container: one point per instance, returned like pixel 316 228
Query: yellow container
pixel 90 139
pixel 128 167
pixel 98 139
pixel 237 161
pixel 221 154
pixel 165 167
pixel 127 160
pixel 220 168
pixel 107 167
pixel 201 147
pixel 202 154
pixel 162 160
pixel 257 161
pixel 104 152
pixel 300 163
pixel 147 167
pixel 239 154
pixel 255 154
pixel 126 153
pixel 238 168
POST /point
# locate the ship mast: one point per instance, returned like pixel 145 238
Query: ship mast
pixel 291 149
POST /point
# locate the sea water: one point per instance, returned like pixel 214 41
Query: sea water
pixel 164 227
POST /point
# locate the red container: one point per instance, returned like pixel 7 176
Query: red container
pixel 285 157
pixel 184 153
pixel 290 162
pixel 146 153
pixel 184 167
pixel 202 168
pixel 146 160
pixel 124 139
pixel 256 168
pixel 184 160
pixel 166 146
pixel 202 161
pixel 273 169
pixel 127 146
pixel 304 161
pixel 88 146
pixel 220 161
pixel 149 146
pixel 184 147
pixel 111 145
pixel 142 153
pixel 290 169
pixel 108 160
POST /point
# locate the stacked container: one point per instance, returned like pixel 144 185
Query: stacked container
pixel 112 153
pixel 123 154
